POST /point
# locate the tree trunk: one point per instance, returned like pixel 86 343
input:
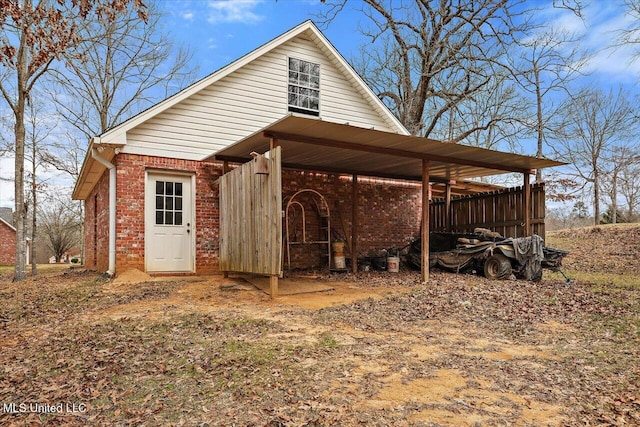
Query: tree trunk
pixel 22 72
pixel 614 197
pixel 34 208
pixel 596 198
pixel 539 123
pixel 21 255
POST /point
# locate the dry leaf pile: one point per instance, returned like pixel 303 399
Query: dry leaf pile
pixel 459 351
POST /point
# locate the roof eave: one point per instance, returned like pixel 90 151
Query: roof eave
pixel 80 190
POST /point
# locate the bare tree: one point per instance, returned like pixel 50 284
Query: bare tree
pixel 126 66
pixel 629 186
pixel 499 105
pixel 32 35
pixel 543 67
pixel 38 129
pixel 619 159
pixel 631 34
pixel 428 57
pixel 59 227
pixel 594 123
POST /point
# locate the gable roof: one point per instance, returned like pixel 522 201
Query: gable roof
pixel 117 136
pixel 307 27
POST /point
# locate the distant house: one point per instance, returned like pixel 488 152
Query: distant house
pixel 8 243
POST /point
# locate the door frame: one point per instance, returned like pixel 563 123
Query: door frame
pixel 192 243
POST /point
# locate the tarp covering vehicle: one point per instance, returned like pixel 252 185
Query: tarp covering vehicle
pixel 497 257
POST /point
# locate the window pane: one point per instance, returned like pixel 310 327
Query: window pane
pixel 169 188
pixel 178 218
pixel 178 204
pixel 168 218
pixel 168 205
pixel 159 202
pixel 178 189
pixel 159 218
pixel 304 85
pixel 159 187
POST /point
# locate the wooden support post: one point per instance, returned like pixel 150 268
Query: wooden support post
pixel 354 224
pixel 527 205
pixel 273 143
pixel 447 207
pixel 273 285
pixel 424 256
pixel 225 170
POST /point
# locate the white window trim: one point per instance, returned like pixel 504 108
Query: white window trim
pixel 303 110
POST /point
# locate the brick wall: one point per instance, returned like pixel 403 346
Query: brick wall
pixel 96 226
pixel 130 201
pixel 388 212
pixel 7 245
pixel 130 170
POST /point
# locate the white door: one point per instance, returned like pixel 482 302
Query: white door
pixel 169 223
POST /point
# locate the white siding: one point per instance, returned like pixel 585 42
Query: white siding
pixel 245 101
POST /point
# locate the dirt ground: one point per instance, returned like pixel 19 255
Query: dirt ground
pixel 378 349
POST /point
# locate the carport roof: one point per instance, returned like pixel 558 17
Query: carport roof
pixel 315 144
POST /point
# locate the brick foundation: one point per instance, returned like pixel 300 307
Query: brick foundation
pixel 388 212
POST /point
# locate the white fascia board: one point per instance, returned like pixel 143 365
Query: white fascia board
pixel 8 225
pixel 114 138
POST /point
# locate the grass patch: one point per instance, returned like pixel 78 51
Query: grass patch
pixel 327 340
pixel 42 268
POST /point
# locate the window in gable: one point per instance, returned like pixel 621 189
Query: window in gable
pixel 304 87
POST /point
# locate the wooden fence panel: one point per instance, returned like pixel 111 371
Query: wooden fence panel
pixel 251 218
pixel 500 211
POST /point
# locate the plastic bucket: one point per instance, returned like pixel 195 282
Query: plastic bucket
pixel 393 264
pixel 339 262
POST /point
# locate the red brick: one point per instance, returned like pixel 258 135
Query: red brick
pixel 7 245
pixel 388 212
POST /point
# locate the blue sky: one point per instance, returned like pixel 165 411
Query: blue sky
pixel 220 31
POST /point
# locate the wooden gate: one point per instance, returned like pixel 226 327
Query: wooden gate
pixel 251 218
